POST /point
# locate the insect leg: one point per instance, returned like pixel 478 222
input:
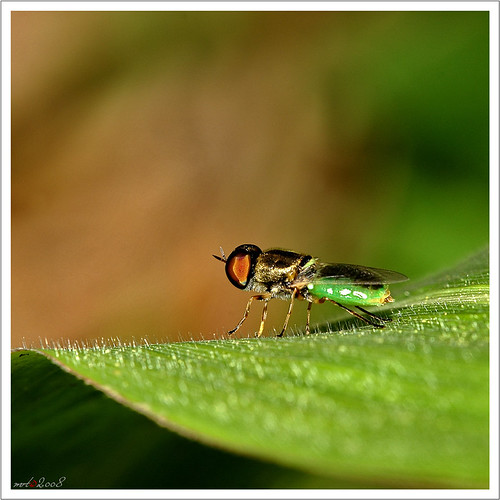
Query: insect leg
pixel 354 313
pixel 373 315
pixel 308 331
pixel 247 310
pixel 288 314
pixel 264 316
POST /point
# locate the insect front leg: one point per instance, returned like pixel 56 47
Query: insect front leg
pixel 265 297
pixel 264 316
pixel 288 313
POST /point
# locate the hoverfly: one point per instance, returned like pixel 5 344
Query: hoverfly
pixel 285 275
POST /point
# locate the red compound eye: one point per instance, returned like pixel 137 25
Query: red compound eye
pixel 240 265
pixel 238 269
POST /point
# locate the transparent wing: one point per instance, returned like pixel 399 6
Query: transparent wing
pixel 357 275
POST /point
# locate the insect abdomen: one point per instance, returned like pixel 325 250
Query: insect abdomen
pixel 356 295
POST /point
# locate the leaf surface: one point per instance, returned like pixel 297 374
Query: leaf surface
pixel 406 406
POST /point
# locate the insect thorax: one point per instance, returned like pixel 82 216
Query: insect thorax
pixel 276 271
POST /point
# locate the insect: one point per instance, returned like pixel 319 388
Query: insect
pixel 281 274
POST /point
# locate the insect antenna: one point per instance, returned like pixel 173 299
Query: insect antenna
pixel 223 258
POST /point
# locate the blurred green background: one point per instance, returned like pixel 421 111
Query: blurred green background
pixel 141 142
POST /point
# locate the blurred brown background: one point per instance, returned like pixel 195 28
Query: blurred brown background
pixel 141 142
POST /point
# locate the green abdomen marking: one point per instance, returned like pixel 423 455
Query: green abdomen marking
pixel 356 295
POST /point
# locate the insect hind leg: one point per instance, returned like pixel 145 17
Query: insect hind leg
pixel 374 315
pixel 362 318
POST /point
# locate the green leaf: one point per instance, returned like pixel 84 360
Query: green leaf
pixel 63 428
pixel 406 406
